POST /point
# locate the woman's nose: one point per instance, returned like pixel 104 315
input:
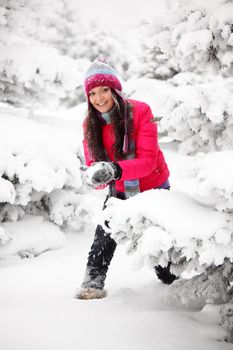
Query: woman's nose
pixel 99 96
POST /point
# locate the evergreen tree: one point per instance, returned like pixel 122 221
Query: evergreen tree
pixel 30 71
pixel 189 38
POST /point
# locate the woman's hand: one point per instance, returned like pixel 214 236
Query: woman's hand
pixel 101 173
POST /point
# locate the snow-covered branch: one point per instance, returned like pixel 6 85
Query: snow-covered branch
pixel 160 226
pixel 31 71
pixel 196 116
pixel 190 38
pixel 34 160
pixel 208 178
pixel 226 320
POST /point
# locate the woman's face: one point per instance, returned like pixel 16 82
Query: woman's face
pixel 101 98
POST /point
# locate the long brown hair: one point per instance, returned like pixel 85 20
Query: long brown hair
pixel 93 129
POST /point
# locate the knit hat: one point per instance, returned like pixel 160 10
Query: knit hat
pixel 100 73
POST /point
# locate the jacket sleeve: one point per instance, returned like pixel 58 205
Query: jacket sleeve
pixel 146 148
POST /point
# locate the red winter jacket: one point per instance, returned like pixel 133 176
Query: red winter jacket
pixel 148 165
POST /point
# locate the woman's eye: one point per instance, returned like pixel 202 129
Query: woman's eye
pixel 105 89
pixel 91 94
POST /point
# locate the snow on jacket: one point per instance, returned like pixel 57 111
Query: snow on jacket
pixel 149 165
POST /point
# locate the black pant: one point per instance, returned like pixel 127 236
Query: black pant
pixel 99 258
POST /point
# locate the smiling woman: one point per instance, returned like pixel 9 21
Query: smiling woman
pixel 122 151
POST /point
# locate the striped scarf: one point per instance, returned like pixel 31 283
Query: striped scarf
pixel 131 186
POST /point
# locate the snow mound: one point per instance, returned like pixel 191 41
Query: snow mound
pixel 168 225
pixel 30 237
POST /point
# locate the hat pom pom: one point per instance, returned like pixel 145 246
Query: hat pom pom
pixel 102 59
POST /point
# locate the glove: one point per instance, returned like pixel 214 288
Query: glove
pixel 101 173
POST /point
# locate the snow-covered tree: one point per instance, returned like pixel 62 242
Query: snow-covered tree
pixel 30 71
pixel 226 320
pixel 153 225
pixel 189 38
pixel 40 176
pixel 27 172
pixel 199 116
pixel 161 226
pixel 208 179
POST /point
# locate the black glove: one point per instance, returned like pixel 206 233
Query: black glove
pixel 101 173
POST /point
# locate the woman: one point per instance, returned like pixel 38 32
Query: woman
pixel 121 148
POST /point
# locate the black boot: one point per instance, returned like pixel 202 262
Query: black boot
pixel 99 259
pixel 164 274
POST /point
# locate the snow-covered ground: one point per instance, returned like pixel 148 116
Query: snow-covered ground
pixel 38 309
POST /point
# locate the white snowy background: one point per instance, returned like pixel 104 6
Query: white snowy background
pixel 178 57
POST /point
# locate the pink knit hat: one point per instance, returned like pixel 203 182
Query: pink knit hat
pixel 100 73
